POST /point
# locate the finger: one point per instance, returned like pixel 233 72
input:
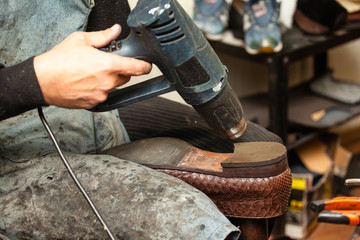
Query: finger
pixel 101 38
pixel 121 80
pixel 130 66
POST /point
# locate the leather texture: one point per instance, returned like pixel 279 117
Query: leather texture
pixel 242 197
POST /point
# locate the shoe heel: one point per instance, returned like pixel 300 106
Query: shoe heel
pixel 256 159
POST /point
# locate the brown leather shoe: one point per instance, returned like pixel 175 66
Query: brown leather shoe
pixel 252 182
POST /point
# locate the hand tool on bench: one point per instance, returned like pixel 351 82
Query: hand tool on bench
pixel 338 203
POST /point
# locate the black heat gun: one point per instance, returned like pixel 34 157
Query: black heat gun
pixel 161 32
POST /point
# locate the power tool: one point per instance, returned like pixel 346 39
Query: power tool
pixel 162 33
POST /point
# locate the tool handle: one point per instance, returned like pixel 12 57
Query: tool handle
pixel 340 217
pixel 135 93
pixel 338 203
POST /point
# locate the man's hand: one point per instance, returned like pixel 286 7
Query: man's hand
pixel 75 74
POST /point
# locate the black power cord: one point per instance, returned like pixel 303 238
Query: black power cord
pixel 71 172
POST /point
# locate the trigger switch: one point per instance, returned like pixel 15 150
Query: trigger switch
pixel 114 45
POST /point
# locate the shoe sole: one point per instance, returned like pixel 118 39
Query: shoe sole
pixel 252 182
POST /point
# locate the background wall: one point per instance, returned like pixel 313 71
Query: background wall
pixel 345 61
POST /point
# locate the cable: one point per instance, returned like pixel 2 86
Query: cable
pixel 71 172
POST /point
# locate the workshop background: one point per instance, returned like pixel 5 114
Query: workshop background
pixel 329 154
pixel 248 78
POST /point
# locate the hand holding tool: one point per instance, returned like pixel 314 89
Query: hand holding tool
pixel 161 32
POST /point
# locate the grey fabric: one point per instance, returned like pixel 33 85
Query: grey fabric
pixel 39 200
pixel 29 28
pixel 78 131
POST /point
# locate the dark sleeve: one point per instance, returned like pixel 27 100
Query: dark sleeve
pixel 103 15
pixel 19 89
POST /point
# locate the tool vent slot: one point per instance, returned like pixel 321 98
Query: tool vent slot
pixel 168 31
pixel 160 25
pixel 174 39
pixel 172 30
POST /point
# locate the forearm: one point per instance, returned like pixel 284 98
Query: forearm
pixel 19 89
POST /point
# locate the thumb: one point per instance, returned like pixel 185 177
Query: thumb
pixel 101 38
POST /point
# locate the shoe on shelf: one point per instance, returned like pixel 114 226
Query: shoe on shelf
pixel 262 32
pixel 212 17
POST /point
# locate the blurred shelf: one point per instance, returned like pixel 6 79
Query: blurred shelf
pixel 297 46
